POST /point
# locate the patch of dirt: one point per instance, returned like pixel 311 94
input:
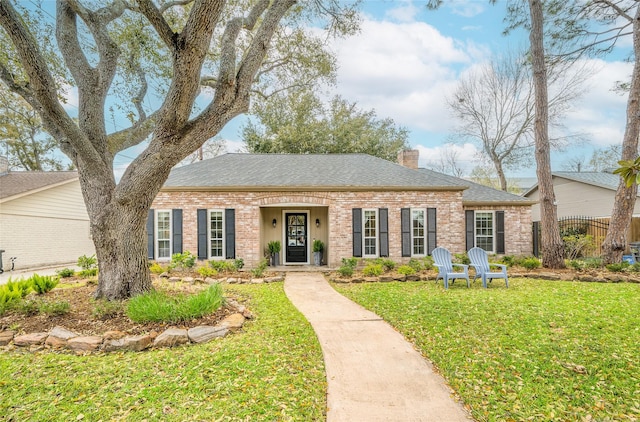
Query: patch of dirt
pixel 82 317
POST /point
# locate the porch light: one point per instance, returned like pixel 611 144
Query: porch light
pixel 273 223
pixel 317 222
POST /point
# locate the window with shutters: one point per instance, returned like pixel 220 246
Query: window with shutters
pixel 163 234
pixel 216 234
pixel 370 232
pixel 418 232
pixel 485 230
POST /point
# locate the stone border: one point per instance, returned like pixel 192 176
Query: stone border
pixel 59 338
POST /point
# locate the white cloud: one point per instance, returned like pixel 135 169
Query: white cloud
pixel 465 8
pixel 600 113
pixel 405 12
pixel 403 71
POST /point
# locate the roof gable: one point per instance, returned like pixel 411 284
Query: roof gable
pixel 603 180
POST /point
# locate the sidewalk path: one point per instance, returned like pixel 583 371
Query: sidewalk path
pixel 373 373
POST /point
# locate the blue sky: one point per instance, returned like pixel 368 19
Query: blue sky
pixel 407 60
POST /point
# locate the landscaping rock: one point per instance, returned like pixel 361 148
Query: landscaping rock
pixel 84 343
pixel 257 280
pixel 188 280
pixel 131 343
pixel 399 277
pixel 175 279
pixel 210 280
pixel 205 333
pixel 274 279
pixel 233 322
pixel 30 339
pixel 198 280
pixel 232 280
pixel 171 337
pixel 6 337
pixel 413 277
pixel 113 335
pixel 59 337
pixel 370 279
pixel 164 275
pixel 386 278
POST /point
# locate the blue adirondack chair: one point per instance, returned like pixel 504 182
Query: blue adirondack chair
pixel 442 261
pixel 480 262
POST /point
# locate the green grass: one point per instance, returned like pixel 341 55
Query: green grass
pixel 540 350
pixel 271 371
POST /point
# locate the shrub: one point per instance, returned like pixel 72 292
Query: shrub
pixel 20 287
pixel 388 264
pixel 259 270
pixel 65 273
pixel 427 263
pixel 635 267
pixel 8 298
pixel 222 266
pixel 159 307
pixel 156 268
pixel 274 247
pixel 90 272
pixel 184 260
pixel 350 262
pixel 105 309
pixel 207 271
pixel 406 270
pixel 414 263
pixel 26 307
pixel 42 284
pixel 575 264
pixel 577 245
pixel 461 258
pixel 238 263
pixel 57 307
pixel 88 262
pixel 508 260
pixel 345 270
pixel 530 263
pixel 617 267
pixel 372 270
pixel 318 245
pixel 592 263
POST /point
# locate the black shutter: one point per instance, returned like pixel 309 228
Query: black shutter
pixel 150 234
pixel 357 231
pixel 230 233
pixel 431 230
pixel 202 234
pixel 469 222
pixel 383 214
pixel 405 226
pixel 176 221
pixel 500 232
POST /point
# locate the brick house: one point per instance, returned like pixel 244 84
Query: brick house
pixel 232 205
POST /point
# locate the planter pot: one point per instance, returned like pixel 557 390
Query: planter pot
pixel 317 258
pixel 275 258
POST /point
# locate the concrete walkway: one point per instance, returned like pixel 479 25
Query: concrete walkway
pixel 373 373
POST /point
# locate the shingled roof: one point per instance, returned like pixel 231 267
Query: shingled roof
pixel 21 182
pixel 478 194
pixel 302 171
pixel 595 178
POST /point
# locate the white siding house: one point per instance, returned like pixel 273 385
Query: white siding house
pixel 43 218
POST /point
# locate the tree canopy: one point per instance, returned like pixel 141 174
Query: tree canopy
pixel 298 122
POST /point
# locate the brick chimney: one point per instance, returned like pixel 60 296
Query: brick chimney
pixel 4 166
pixel 409 158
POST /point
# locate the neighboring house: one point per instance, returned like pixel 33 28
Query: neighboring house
pixel 232 205
pixel 590 194
pixel 43 218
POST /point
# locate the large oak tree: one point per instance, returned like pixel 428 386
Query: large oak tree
pixel 228 46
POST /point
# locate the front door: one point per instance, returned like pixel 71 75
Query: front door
pixel 296 237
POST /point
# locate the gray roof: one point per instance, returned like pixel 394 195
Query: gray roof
pixel 478 194
pixel 19 182
pixel 302 171
pixel 595 178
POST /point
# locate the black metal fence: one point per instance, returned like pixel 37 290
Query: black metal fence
pixel 577 226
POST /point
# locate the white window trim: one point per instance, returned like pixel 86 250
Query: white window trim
pixel 157 239
pixel 376 237
pixel 217 258
pixel 424 228
pixel 493 228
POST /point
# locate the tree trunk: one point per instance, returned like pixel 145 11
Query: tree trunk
pixel 551 245
pixel 615 242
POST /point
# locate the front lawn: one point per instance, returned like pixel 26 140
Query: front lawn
pixel 273 370
pixel 539 350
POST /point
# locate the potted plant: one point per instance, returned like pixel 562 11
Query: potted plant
pixel 318 248
pixel 274 251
